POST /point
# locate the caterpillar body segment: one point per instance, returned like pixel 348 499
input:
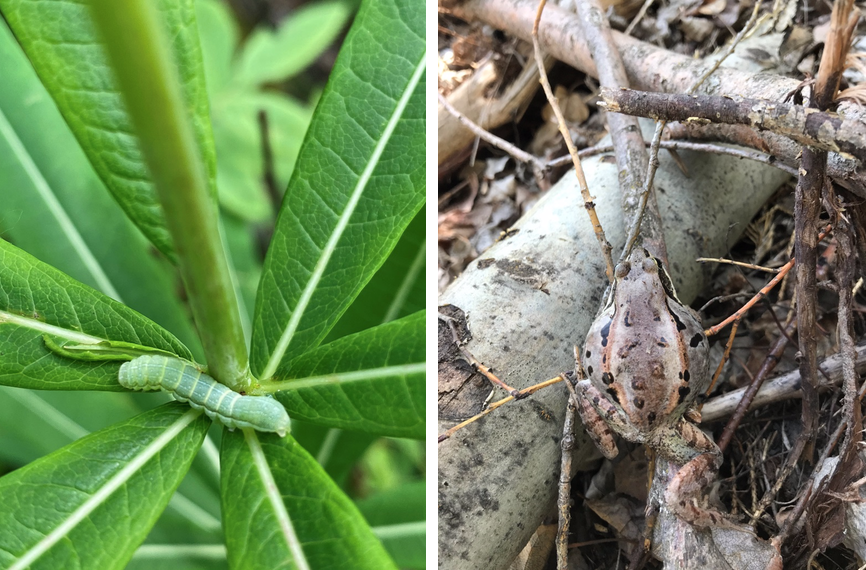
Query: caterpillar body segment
pixel 186 383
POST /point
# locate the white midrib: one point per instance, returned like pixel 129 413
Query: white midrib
pixel 104 492
pixel 48 413
pixel 276 500
pixel 342 223
pixel 402 530
pixel 66 225
pixel 345 377
pixel 53 330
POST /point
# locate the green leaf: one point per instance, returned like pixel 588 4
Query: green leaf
pixel 395 291
pixel 36 299
pixel 270 56
pixel 398 519
pixel 238 136
pixel 336 450
pixel 56 208
pixel 219 35
pixel 358 183
pixel 281 510
pixel 61 41
pixel 175 556
pixel 245 265
pixel 56 510
pixel 372 381
pixel 35 423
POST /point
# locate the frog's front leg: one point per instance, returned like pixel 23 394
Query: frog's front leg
pixel 700 458
pixel 600 416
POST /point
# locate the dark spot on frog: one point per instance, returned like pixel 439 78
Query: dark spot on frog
pixel 613 395
pixel 485 263
pixel 604 358
pixel 625 322
pixel 589 370
pixel 607 378
pixel 686 375
pixel 680 325
pixel 638 384
pixel 651 417
pixel 588 354
pixel 684 391
pixel 662 342
pixel 548 335
pixel 596 400
pixel 605 331
pixel 638 403
pixel 696 340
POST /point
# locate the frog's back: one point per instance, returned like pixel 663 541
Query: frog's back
pixel 647 352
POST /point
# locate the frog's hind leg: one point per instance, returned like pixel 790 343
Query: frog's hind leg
pixel 685 495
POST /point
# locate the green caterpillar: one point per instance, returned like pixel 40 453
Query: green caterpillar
pixel 188 384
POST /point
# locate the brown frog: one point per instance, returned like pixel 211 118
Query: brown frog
pixel 647 360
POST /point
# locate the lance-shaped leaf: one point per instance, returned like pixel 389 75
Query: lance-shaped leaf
pixel 372 381
pixel 56 208
pixel 61 41
pixel 398 519
pixel 34 423
pixel 281 510
pixel 92 503
pixel 358 182
pixel 36 299
pixel 395 291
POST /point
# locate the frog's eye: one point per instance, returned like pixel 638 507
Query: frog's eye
pixel 649 265
pixel 622 269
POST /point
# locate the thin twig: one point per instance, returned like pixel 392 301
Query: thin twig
pixel 572 150
pixel 737 263
pixel 749 395
pixel 640 14
pixel 625 133
pixel 564 499
pixel 783 271
pixel 686 145
pixel 657 136
pixel 500 143
pixel 520 395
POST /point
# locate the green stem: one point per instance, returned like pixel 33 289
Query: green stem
pixel 148 79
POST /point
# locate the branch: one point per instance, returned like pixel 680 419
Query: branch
pixel 821 130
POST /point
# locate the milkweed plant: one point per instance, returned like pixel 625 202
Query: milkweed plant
pixel 134 140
